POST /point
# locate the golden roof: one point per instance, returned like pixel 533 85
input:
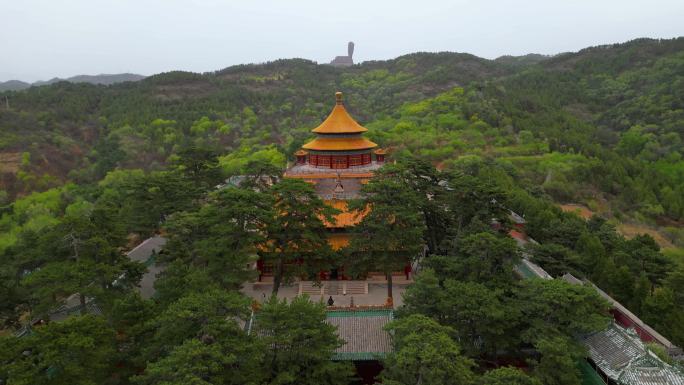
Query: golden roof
pixel 301 153
pixel 380 151
pixel 339 121
pixel 339 144
pixel 345 218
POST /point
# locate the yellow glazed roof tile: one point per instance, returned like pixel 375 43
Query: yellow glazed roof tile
pixel 345 218
pixel 339 121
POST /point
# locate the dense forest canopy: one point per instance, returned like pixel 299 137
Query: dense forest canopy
pixel 88 171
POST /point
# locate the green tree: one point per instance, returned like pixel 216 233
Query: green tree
pixel 430 189
pixel 200 166
pixel 483 319
pixel 296 232
pixel 424 296
pixel 128 317
pixel 261 174
pixel 661 311
pixel 646 252
pixel 425 353
pixel 473 203
pixel 675 282
pixel 481 257
pixel 390 234
pixel 222 237
pixel 78 351
pixel 145 200
pixel 206 363
pixel 298 343
pixel 554 307
pixel 558 362
pixel 106 155
pixel 591 250
pixel 483 322
pixel 507 376
pixel 87 261
pixel 211 315
pixel 179 279
pixel 556 259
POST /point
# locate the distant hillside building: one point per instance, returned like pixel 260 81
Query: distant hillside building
pixel 345 61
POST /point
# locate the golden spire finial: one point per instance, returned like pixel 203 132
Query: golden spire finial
pixel 338 97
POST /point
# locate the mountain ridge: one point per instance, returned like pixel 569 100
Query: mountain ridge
pixel 105 79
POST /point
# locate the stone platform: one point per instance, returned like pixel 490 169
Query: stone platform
pixel 364 293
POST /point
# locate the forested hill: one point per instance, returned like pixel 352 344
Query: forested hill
pixel 78 132
pixel 63 125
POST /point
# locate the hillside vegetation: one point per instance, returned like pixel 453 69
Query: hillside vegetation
pixel 615 111
pixel 78 132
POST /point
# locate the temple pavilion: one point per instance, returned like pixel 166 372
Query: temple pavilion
pixel 339 145
pixel 337 162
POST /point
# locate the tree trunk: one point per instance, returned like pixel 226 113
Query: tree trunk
pixel 277 277
pixel 432 237
pixel 83 303
pixel 389 285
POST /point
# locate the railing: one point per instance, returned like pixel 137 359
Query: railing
pixel 308 169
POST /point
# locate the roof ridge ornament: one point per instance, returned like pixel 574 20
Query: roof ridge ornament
pixel 338 98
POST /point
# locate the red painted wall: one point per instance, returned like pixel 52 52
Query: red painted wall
pixel 624 321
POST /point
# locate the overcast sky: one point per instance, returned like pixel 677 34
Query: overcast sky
pixel 41 39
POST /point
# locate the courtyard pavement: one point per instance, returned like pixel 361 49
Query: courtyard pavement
pixel 377 294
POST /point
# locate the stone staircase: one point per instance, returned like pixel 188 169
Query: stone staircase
pixel 310 288
pixel 356 287
pixel 333 288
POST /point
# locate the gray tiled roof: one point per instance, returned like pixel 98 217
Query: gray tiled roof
pixel 363 332
pixel 145 249
pixel 145 253
pixel 672 349
pixel 529 269
pixel 621 355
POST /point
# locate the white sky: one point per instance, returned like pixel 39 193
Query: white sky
pixel 41 39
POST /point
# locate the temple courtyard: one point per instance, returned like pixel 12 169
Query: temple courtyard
pixel 362 293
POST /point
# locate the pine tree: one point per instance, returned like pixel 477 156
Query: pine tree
pixel 390 235
pixel 296 237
